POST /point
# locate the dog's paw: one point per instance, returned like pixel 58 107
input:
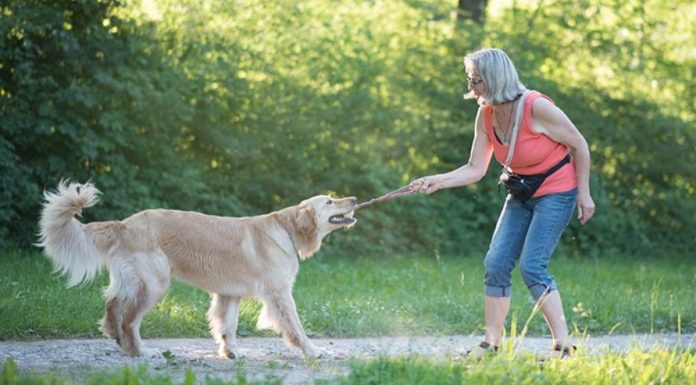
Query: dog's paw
pixel 229 354
pixel 141 352
pixel 315 353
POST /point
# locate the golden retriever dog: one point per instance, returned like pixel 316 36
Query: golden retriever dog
pixel 231 258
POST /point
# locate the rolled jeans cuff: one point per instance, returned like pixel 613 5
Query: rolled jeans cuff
pixel 538 290
pixel 497 291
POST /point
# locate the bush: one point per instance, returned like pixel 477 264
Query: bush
pixel 244 108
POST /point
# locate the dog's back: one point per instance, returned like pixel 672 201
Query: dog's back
pixel 217 254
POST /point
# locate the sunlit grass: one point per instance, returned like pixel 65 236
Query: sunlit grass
pixel 636 367
pixel 380 296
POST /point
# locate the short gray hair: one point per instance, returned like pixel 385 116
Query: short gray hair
pixel 498 73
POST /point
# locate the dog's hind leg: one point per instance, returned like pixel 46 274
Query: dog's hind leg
pixel 116 295
pixel 265 321
pixel 152 282
pixel 110 325
pixel 223 316
pixel 281 310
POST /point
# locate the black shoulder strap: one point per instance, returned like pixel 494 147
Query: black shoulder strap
pixel 558 165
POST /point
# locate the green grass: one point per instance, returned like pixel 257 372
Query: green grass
pixel 635 367
pixel 380 296
pixel 124 376
pixel 423 295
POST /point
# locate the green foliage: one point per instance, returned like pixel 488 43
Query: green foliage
pixel 239 108
pixel 623 74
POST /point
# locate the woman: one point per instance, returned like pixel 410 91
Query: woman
pixel 530 230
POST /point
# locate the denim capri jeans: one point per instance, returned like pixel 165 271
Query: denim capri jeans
pixel 529 232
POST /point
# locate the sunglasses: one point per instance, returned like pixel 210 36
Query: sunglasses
pixel 474 82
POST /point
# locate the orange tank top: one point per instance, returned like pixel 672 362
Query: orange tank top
pixel 534 153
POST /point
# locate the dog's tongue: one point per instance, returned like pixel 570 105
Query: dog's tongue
pixel 341 220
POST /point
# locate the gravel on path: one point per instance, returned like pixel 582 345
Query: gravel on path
pixel 263 357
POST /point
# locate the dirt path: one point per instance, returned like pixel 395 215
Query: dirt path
pixel 269 356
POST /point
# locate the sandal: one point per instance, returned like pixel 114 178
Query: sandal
pixel 481 350
pixel 562 352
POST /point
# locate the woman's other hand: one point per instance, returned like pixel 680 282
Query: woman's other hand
pixel 586 208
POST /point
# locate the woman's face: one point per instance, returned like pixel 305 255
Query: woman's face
pixel 475 84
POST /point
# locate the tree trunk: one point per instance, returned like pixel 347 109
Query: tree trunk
pixel 472 9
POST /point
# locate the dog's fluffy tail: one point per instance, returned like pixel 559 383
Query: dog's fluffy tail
pixel 64 238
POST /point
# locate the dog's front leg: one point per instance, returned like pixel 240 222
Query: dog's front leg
pixel 223 317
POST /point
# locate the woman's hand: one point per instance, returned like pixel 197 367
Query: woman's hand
pixel 586 208
pixel 426 184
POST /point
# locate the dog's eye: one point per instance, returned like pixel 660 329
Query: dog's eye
pixel 329 202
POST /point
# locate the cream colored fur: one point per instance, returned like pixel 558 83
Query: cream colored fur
pixel 231 258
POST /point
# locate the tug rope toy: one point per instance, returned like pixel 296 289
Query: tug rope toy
pixel 402 191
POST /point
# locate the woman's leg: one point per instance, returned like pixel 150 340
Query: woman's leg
pixel 552 308
pixel 505 247
pixel 495 311
pixel 552 214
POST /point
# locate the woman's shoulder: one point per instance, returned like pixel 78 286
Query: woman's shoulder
pixel 537 100
pixel 542 107
pixel 535 95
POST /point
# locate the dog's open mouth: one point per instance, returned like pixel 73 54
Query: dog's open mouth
pixel 343 219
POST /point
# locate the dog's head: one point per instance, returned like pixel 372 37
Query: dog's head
pixel 314 218
pixel 331 213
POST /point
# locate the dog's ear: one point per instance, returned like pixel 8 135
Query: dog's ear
pixel 306 223
pixel 307 232
pixel 301 223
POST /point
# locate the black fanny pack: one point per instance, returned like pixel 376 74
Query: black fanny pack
pixel 522 187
